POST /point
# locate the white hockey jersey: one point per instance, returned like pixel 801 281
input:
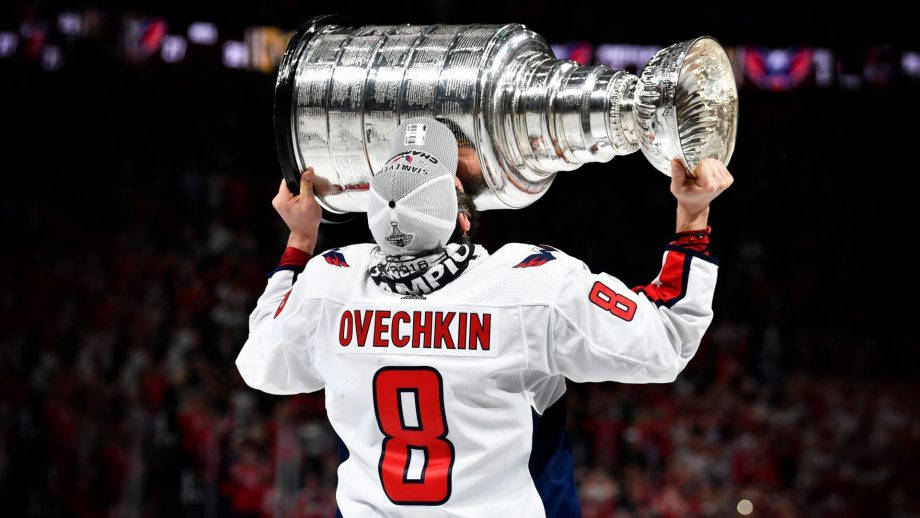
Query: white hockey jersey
pixel 446 403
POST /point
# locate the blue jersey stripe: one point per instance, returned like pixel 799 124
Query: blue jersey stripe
pixel 343 456
pixel 551 465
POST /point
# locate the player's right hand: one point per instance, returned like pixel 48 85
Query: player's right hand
pixel 302 214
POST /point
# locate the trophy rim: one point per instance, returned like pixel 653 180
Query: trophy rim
pixel 734 134
pixel 673 77
pixel 283 106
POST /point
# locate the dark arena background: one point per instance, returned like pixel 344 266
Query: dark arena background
pixel 138 164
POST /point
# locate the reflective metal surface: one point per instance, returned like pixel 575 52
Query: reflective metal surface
pixel 519 114
pixel 687 105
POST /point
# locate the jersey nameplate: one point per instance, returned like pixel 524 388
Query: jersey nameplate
pixel 442 332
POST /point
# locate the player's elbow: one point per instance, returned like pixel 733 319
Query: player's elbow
pixel 676 346
pixel 274 369
pixel 253 374
pixel 668 356
pixel 255 367
pixel 665 370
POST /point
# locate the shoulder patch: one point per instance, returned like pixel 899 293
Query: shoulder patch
pixel 335 258
pixel 543 255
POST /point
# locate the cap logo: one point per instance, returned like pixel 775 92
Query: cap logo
pixel 397 237
pixel 408 156
pixel 415 135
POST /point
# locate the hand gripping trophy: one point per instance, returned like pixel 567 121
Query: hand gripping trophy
pixel 519 114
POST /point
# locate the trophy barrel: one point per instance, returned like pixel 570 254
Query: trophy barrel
pixel 519 114
pixel 284 97
pixel 342 92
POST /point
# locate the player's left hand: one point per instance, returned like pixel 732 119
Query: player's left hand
pixel 694 192
pixel 302 214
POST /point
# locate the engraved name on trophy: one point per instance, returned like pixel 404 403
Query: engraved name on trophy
pixel 519 114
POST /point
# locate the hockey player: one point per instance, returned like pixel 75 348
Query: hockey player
pixel 445 366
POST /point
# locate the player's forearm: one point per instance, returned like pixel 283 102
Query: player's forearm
pixel 303 241
pixel 691 218
pixel 681 299
pixel 682 296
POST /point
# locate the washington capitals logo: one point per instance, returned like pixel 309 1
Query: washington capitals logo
pixel 335 258
pixel 410 156
pixel 398 238
pixel 778 69
pixel 543 255
pixel 402 156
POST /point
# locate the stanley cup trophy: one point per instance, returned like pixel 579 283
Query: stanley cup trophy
pixel 519 114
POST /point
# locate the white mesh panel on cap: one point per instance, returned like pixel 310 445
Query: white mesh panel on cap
pixel 395 183
pixel 431 203
pixel 376 210
pixel 422 220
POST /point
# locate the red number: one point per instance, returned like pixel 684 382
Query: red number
pixel 618 305
pixel 421 437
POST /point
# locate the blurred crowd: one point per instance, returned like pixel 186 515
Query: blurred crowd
pixel 120 398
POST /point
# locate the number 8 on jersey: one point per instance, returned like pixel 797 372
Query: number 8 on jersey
pixel 416 458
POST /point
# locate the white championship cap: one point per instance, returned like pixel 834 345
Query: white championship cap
pixel 412 207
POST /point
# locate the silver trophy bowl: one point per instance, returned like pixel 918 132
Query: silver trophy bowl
pixel 519 114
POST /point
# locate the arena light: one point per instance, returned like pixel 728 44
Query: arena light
pixel 824 67
pixel 70 23
pixel 235 54
pixel 202 33
pixel 744 507
pixel 265 46
pixel 910 63
pixel 8 43
pixel 173 49
pixel 52 58
pixel 625 57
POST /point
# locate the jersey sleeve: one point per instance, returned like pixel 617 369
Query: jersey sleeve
pixel 604 331
pixel 278 354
